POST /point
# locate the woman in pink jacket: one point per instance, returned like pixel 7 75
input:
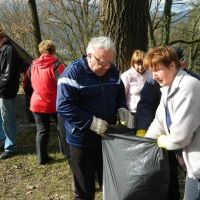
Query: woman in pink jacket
pixel 44 73
pixel 134 79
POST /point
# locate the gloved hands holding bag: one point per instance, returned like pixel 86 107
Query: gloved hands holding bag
pixel 162 141
pixel 140 133
pixel 125 117
pixel 99 126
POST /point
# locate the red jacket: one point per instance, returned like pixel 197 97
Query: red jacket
pixel 44 83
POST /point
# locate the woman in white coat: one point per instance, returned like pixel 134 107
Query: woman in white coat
pixel 177 121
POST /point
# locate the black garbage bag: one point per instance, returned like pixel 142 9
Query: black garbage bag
pixel 134 168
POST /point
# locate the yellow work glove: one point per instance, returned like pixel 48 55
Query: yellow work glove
pixel 162 141
pixel 141 132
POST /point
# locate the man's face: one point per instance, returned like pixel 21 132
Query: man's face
pixel 163 75
pixel 100 61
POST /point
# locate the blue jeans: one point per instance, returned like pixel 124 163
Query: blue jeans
pixel 8 124
pixel 192 189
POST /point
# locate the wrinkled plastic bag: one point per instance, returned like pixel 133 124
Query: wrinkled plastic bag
pixel 134 168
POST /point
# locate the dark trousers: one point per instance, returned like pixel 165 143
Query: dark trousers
pixel 173 190
pixel 29 114
pixel 64 146
pixel 42 138
pixel 85 163
pixel 134 130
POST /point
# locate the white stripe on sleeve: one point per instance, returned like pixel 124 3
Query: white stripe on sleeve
pixel 68 81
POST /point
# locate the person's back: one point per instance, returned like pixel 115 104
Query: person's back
pixel 43 75
pixel 147 106
pixel 44 84
pixel 9 85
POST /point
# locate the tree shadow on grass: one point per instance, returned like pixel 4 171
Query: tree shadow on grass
pixel 26 135
pixel 26 139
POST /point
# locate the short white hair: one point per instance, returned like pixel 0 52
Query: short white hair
pixel 102 42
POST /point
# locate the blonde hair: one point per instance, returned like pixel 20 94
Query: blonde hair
pixel 161 55
pixel 137 57
pixel 47 46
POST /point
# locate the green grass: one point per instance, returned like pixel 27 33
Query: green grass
pixel 22 178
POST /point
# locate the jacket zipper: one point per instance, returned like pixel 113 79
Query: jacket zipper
pixel 104 99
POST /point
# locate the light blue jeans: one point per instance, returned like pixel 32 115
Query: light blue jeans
pixel 8 123
pixel 192 189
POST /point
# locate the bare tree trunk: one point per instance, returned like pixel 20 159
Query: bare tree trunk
pixel 167 21
pixel 152 41
pixel 126 22
pixel 36 25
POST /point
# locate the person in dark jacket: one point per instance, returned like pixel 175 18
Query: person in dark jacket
pixel 90 95
pixel 44 72
pixel 9 85
pixel 146 110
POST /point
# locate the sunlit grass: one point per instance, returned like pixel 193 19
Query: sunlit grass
pixel 22 178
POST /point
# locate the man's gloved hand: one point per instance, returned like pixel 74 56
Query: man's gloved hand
pixel 141 132
pixel 162 141
pixel 125 117
pixel 99 126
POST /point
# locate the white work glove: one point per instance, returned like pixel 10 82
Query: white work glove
pixel 161 141
pixel 99 126
pixel 125 117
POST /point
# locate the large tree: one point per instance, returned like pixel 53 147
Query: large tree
pixel 170 25
pixel 126 23
pixel 36 25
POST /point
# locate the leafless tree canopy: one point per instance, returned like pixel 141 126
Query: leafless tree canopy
pixel 71 24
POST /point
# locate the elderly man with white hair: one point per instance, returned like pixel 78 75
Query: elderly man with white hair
pixel 90 95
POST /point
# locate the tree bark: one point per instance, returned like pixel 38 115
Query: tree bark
pixel 126 22
pixel 36 25
pixel 167 21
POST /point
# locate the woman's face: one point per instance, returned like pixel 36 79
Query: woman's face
pixel 139 68
pixel 163 75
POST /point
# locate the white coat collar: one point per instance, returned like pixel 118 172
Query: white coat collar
pixel 174 86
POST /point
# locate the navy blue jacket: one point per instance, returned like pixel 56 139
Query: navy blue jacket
pixel 82 94
pixel 149 101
